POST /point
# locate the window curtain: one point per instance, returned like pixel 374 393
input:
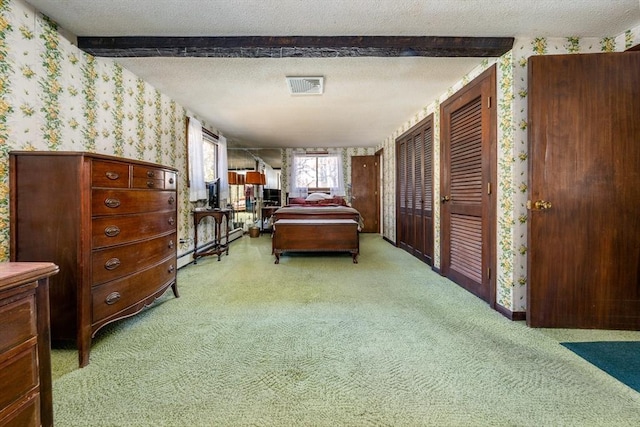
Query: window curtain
pixel 223 167
pixel 294 190
pixel 272 177
pixel 337 187
pixel 197 187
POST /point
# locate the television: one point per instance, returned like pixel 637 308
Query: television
pixel 271 196
pixel 213 189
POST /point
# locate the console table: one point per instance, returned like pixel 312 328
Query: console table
pixel 266 212
pixel 217 248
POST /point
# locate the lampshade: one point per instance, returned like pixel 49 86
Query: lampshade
pixel 253 177
pixel 233 177
pixel 263 179
pixel 240 179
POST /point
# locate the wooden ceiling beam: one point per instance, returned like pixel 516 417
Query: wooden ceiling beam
pixel 296 46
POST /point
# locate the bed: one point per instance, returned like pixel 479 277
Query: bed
pixel 316 228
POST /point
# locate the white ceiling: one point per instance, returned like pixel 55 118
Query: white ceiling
pixel 366 98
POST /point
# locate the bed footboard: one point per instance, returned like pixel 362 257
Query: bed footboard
pixel 315 235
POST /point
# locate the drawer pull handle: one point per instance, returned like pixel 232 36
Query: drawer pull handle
pixel 171 180
pixel 111 231
pixel 150 184
pixel 112 203
pixel 112 264
pixel 171 221
pixel 112 175
pixel 172 200
pixel 112 298
pixel 151 174
pixel 171 268
pixel 171 244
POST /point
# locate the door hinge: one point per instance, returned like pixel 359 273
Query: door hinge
pixel 488 188
pixel 488 102
pixel 489 273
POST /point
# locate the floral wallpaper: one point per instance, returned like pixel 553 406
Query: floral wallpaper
pixel 55 97
pixel 512 176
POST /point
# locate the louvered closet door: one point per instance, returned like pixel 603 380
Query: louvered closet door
pixel 417 196
pixel 427 194
pixel 408 218
pixel 465 222
pixel 402 225
pixel 415 190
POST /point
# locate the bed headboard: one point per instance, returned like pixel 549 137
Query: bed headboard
pixel 311 201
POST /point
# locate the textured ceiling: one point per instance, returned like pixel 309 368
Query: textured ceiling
pixel 365 98
pixel 342 17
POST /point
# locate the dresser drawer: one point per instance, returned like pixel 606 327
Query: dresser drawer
pixel 18 375
pixel 148 177
pixel 112 297
pixel 148 184
pixel 113 263
pixel 25 413
pixel 119 229
pixel 109 174
pixel 170 180
pixel 18 322
pixel 118 202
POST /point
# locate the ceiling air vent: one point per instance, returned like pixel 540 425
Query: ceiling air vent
pixel 305 85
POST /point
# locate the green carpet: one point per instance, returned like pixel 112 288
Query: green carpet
pixel 320 341
pixel 620 359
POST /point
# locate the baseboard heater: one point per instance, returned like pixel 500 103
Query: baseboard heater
pixel 186 258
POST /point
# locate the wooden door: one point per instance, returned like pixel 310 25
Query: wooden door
pixel 468 123
pixel 364 191
pixel 584 182
pixel 414 154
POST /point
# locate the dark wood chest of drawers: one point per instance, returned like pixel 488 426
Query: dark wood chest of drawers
pixel 25 363
pixel 109 223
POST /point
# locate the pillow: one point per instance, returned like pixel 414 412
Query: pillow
pixel 337 201
pixel 313 197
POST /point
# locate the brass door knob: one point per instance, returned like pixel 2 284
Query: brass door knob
pixel 540 205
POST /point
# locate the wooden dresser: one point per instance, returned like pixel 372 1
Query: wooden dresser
pixel 25 358
pixel 109 223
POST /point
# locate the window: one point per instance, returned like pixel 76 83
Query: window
pixel 207 160
pixel 209 156
pixel 317 171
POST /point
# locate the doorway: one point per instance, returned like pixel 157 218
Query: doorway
pixel 365 182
